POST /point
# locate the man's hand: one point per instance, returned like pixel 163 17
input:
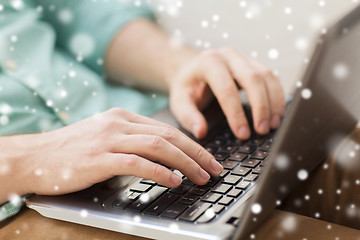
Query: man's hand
pixel 145 54
pixel 112 143
pixel 217 72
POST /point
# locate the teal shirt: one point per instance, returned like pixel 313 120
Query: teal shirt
pixel 51 63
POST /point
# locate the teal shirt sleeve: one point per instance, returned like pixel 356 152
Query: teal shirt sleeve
pixel 85 28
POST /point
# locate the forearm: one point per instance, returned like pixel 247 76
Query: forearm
pixel 15 165
pixel 143 56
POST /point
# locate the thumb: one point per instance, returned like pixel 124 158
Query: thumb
pixel 188 114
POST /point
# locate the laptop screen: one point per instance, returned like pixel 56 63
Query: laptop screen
pixel 325 109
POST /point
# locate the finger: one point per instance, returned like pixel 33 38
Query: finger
pixel 135 118
pixel 158 149
pixel 275 93
pixel 254 85
pixel 225 90
pixel 130 164
pixel 184 143
pixel 188 114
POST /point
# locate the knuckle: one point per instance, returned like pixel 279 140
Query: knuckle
pixel 157 172
pixel 108 124
pixel 264 110
pixel 227 50
pixel 199 152
pixel 207 59
pixel 117 111
pixel 155 141
pixel 209 54
pixel 267 73
pixel 168 133
pixel 228 88
pixel 131 161
pixel 256 77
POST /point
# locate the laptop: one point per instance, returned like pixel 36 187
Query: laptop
pixel 258 173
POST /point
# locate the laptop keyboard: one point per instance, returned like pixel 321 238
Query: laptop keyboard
pixel 243 162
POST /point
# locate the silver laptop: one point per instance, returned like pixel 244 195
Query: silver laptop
pixel 258 173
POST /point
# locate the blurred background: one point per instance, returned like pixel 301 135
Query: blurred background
pixel 279 33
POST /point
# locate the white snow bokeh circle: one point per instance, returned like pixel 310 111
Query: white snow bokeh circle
pixel 65 16
pixel 82 44
pixel 256 208
pixel 273 53
pixel 340 71
pixel 289 224
pixel 282 162
pixel 302 174
pixel 306 93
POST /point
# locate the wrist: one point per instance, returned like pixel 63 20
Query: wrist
pixel 181 56
pixel 17 164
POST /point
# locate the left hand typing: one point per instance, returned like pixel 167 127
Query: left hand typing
pixel 217 72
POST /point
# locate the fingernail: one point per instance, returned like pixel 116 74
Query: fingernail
pixel 264 127
pixel 204 175
pixel 217 168
pixel 275 121
pixel 244 132
pixel 176 179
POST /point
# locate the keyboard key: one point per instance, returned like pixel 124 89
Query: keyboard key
pixel 251 177
pixel 180 189
pixel 161 204
pixel 259 155
pixel 229 164
pixel 257 140
pixel 265 146
pixel 221 188
pixel 243 185
pixel 148 181
pixel 125 199
pixel 239 142
pixel 258 170
pixel 133 195
pixel 250 163
pixel 226 200
pixel 235 193
pixel 199 190
pixel 189 198
pixel 177 172
pixel 208 215
pixel 221 156
pixel 229 148
pixel 231 179
pixel 211 197
pixel 242 171
pixel 227 135
pixel 140 187
pixel 217 208
pixel 213 181
pixel 146 198
pixel 121 203
pixel 238 157
pixel 219 142
pixel 224 173
pixel 246 149
pixel 174 210
pixel 211 149
pixel 187 181
pixel 195 211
